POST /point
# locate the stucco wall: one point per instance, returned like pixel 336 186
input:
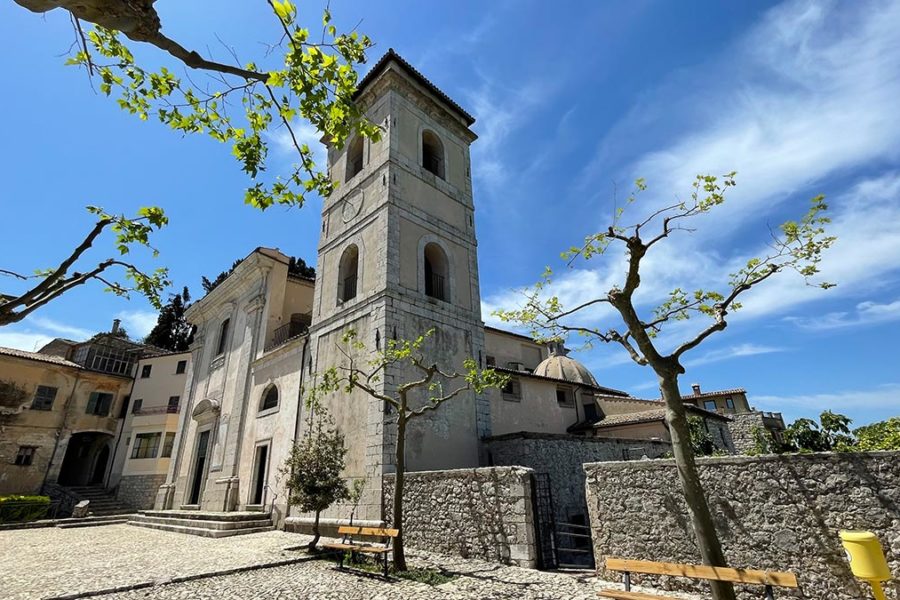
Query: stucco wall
pixel 772 512
pixel 563 457
pixel 480 513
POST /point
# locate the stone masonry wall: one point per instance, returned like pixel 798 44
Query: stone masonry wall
pixel 480 513
pixel 742 428
pixel 772 512
pixel 139 491
pixel 563 457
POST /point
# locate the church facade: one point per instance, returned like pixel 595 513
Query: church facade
pixel 397 256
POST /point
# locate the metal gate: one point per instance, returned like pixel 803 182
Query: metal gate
pixel 559 543
pixel 544 521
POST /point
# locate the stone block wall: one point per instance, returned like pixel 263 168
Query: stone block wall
pixel 742 428
pixel 773 512
pixel 563 458
pixel 479 513
pixel 139 491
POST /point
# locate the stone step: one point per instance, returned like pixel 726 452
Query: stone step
pixel 205 515
pixel 110 512
pixel 202 531
pixel 201 523
pixel 96 522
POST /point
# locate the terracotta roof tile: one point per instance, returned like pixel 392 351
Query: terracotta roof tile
pixel 421 79
pixel 47 358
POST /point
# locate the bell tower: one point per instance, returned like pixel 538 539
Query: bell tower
pixel 397 257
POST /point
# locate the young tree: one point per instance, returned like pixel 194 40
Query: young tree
pixel 313 468
pixel 53 282
pixel 172 330
pixel 832 432
pixel 797 247
pixel 884 435
pixel 236 104
pixel 409 400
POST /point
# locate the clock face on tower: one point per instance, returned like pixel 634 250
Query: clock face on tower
pixel 351 205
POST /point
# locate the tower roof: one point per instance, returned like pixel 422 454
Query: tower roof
pixel 392 56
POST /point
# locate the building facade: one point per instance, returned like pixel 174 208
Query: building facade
pixel 144 450
pixel 59 420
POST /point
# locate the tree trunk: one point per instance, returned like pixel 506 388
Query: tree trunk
pixel 698 507
pixel 400 461
pixel 315 540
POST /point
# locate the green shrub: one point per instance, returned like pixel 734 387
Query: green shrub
pixel 21 509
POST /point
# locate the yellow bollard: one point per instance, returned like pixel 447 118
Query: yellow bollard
pixel 866 559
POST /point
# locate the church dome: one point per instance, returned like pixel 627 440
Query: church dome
pixel 560 366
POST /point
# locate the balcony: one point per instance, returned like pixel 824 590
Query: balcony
pixel 773 420
pixel 172 409
pixel 298 326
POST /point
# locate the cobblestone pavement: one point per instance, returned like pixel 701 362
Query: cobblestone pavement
pixel 45 563
pixel 324 581
pixel 41 563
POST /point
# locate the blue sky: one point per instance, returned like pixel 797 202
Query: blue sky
pixel 572 104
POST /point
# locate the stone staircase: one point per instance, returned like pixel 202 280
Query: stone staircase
pixel 203 523
pixel 102 501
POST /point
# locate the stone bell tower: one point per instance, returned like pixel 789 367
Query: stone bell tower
pixel 397 257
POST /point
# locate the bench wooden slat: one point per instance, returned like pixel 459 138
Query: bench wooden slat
pixel 341 546
pixel 751 576
pixel 373 549
pixel 369 531
pixel 621 595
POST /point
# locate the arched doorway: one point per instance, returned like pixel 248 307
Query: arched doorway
pixel 86 459
pixel 100 465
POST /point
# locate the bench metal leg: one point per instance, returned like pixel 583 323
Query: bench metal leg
pixel 385 565
pixel 341 565
pixel 627 581
pixel 770 593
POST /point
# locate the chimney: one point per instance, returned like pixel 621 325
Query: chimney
pixel 115 328
pixel 696 388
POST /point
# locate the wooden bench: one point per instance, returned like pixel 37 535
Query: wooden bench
pixel 770 579
pixel 347 544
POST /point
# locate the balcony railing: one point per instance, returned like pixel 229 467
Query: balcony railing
pixel 158 410
pixel 287 332
pixel 434 286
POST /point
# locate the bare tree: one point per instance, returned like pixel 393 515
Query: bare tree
pixel 50 284
pixel 798 247
pixel 409 400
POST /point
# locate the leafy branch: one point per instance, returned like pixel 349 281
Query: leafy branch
pixel 316 84
pixel 53 282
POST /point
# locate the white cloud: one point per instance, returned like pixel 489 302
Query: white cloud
pixel 23 340
pixel 878 402
pixel 138 323
pixel 76 333
pixel 305 134
pixel 809 94
pixel 866 313
pixel 730 352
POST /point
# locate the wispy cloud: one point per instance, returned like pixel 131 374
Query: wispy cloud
pixel 23 340
pixel 807 95
pixel 866 313
pixel 305 133
pixel 738 351
pixel 138 323
pixel 63 329
pixel 877 403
